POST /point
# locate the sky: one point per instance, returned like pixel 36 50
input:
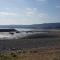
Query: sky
pixel 26 12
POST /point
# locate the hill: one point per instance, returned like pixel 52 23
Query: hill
pixel 34 26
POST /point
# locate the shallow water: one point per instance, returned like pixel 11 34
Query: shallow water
pixel 23 33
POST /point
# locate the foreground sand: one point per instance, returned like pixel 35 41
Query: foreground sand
pixel 33 54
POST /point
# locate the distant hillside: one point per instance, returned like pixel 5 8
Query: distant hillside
pixel 34 26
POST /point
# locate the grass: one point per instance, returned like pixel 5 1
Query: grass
pixel 33 54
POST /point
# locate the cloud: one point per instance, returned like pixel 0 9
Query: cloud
pixel 57 6
pixel 24 16
pixel 10 21
pixel 41 0
pixel 43 15
pixel 8 8
pixel 34 16
pixel 7 14
pixel 31 11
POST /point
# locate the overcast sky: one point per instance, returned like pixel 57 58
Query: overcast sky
pixel 29 11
